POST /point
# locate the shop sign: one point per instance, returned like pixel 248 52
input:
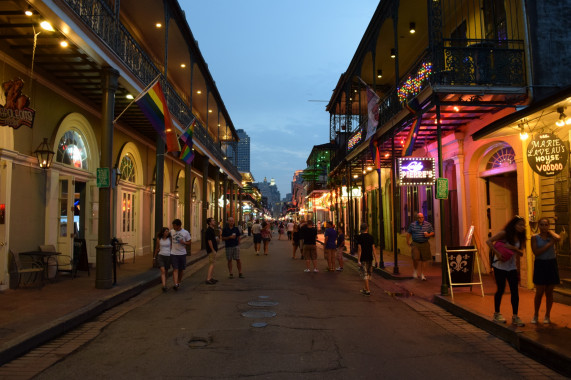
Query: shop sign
pixel 547 154
pixel 416 171
pixel 15 111
pixel 441 188
pixel 103 177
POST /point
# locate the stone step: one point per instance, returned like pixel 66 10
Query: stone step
pixel 562 295
pixel 565 283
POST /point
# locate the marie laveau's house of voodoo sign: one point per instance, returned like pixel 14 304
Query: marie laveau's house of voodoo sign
pixel 547 154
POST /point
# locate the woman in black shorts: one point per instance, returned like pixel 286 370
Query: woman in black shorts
pixel 545 271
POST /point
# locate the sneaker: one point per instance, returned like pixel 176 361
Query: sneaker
pixel 546 321
pixel 307 270
pixel 422 277
pixel 240 275
pixel 365 292
pixel 414 275
pixel 176 286
pixel 339 269
pixel 315 270
pixel 534 320
pixel 499 318
pixel 214 280
pixel 517 321
pixel 230 275
pixel 165 289
pixel 209 282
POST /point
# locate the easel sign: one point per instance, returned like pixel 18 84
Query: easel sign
pixel 461 267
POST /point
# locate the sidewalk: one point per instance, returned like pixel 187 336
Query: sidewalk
pixel 30 317
pixel 548 344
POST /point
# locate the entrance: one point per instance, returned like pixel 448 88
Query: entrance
pixel 72 213
pixel 501 196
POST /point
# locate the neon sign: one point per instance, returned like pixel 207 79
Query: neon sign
pixel 416 171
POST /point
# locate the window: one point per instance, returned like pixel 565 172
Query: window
pixel 128 213
pixel 71 150
pixel 504 157
pixel 127 168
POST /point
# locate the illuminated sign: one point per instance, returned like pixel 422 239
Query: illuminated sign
pixel 416 171
pixel 356 192
pixel 547 154
pixel 354 140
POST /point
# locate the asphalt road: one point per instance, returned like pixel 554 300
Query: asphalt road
pixel 322 328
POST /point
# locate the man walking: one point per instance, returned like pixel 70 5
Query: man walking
pixel 290 229
pixel 419 231
pixel 231 235
pixel 211 249
pixel 180 240
pixel 249 225
pixel 365 250
pixel 309 235
pixel 257 232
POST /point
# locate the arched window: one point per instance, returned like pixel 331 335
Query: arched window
pixel 71 150
pixel 503 158
pixel 127 168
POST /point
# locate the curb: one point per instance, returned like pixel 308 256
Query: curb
pixel 539 352
pixel 17 347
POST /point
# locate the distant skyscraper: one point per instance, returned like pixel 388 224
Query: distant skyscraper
pixel 242 152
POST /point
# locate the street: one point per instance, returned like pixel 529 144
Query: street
pixel 322 328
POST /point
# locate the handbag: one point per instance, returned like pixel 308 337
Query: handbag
pixel 505 252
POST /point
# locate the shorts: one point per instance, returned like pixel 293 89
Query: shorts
pixel 212 257
pixel 545 272
pixel 421 251
pixel 257 238
pixel 164 261
pixel 366 269
pixel 178 262
pixel 232 253
pixel 266 239
pixel 309 252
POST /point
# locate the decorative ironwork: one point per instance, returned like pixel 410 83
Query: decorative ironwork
pixel 127 168
pixel 502 158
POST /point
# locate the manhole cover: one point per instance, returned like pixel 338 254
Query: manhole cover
pixel 262 303
pixel 259 324
pixel 198 342
pixel 258 314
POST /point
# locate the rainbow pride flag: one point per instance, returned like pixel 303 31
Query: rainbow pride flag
pixel 187 155
pixel 153 104
pixel 408 146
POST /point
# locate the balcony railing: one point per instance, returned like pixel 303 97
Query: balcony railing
pixel 97 15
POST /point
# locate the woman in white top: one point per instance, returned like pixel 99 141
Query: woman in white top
pixel 513 236
pixel 163 254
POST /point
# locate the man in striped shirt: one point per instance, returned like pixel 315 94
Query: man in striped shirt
pixel 419 232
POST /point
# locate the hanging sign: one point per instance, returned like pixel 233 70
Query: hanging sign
pixel 547 154
pixel 103 177
pixel 441 188
pixel 15 111
pixel 416 171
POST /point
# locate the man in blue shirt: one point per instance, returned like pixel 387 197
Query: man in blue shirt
pixel 417 238
pixel 231 235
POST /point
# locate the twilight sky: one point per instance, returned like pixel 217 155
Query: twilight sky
pixel 269 58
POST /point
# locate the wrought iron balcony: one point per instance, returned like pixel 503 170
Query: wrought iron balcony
pixel 315 185
pixel 99 17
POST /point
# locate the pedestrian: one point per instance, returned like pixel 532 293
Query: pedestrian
pixel 231 235
pixel 257 232
pixel 301 225
pixel 309 235
pixel 211 249
pixel 365 249
pixel 340 247
pixel 249 225
pixel 163 254
pixel 281 231
pixel 266 236
pixel 319 226
pixel 545 271
pixel 419 231
pixel 180 240
pixel 295 240
pixel 290 229
pixel 329 246
pixel 511 239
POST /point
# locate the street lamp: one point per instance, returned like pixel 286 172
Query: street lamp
pixel 44 154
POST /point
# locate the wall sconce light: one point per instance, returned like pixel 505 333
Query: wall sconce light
pixel 522 134
pixel 44 154
pixel 193 197
pixel 153 185
pixel 412 28
pixel 393 53
pixel 379 73
pixel 563 119
pixel 117 176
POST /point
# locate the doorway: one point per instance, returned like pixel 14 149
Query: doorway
pixel 72 213
pixel 501 200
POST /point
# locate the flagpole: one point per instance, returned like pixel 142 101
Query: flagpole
pixel 137 98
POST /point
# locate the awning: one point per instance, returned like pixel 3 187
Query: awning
pixel 534 117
